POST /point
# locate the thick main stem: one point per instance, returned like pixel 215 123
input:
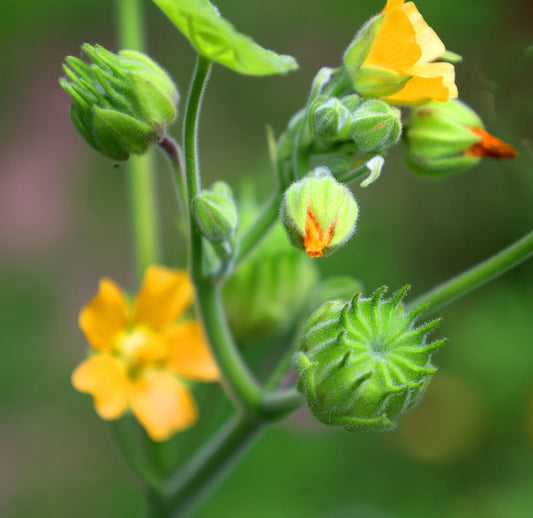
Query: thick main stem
pixel 477 275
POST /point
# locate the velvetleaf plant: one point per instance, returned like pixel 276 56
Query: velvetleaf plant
pixel 361 361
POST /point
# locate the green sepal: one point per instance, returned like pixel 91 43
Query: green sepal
pixel 120 135
pixel 358 50
pixel 216 39
pixel 378 82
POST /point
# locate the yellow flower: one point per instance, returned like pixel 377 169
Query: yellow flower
pixel 393 57
pixel 141 354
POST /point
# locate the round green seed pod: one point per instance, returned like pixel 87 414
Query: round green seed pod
pixel 364 363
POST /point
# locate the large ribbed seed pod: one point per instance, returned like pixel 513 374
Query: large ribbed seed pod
pixel 364 363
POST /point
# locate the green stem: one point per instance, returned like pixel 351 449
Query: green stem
pixel 213 461
pixel 144 219
pixel 192 168
pixel 478 275
pixel 237 380
pixel 132 452
pixel 173 151
pixel 141 183
pixel 259 228
pixel 141 177
pixel 209 465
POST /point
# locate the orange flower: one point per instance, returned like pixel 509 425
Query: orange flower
pixel 141 355
pixel 393 57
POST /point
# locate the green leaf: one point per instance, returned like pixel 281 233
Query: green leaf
pixel 215 38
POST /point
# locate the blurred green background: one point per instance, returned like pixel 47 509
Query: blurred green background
pixel 466 450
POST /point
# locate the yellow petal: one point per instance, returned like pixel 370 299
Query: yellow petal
pixel 392 3
pixel 164 295
pixel 190 355
pixel 430 44
pixel 105 316
pixel 434 81
pixel 162 405
pixel 104 378
pixel 395 46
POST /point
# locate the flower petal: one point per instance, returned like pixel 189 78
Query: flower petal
pixel 190 356
pixel 104 378
pixel 428 41
pixel 431 81
pixel 395 46
pixel 162 405
pixel 164 295
pixel 105 316
pixel 392 3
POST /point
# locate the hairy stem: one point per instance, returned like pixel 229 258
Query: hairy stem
pixel 477 275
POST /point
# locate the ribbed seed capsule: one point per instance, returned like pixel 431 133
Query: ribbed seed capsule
pixel 363 364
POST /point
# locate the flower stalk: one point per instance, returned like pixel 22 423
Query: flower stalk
pixel 478 275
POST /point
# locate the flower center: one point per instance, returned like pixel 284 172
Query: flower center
pixel 142 347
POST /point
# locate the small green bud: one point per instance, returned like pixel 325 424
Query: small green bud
pixel 319 213
pixel 351 102
pixel 122 102
pixel 330 118
pixel 445 138
pixel 215 212
pixel 375 126
pixel 364 363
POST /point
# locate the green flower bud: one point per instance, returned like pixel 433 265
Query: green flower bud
pixel 364 363
pixel 444 138
pixel 375 126
pixel 330 118
pixel 351 102
pixel 319 213
pixel 270 289
pixel 215 212
pixel 122 102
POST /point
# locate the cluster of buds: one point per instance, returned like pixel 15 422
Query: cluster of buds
pixel 122 102
pixel 373 125
pixel 364 363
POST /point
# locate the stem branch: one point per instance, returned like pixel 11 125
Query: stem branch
pixel 477 275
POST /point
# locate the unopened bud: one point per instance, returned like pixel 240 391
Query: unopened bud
pixel 215 212
pixel 330 119
pixel 364 363
pixel 122 102
pixel 444 138
pixel 375 126
pixel 319 213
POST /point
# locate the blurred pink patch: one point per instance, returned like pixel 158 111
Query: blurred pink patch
pixel 37 165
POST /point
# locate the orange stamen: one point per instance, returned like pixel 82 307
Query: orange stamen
pixel 314 240
pixel 490 146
